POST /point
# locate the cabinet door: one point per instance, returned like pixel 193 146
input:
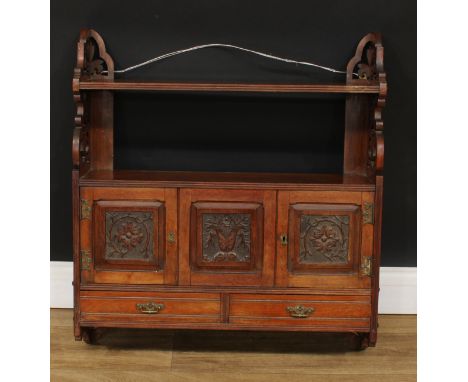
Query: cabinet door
pixel 227 237
pixel 128 235
pixel 323 240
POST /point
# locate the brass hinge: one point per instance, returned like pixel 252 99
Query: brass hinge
pixel 171 238
pixel 368 213
pixel 366 266
pixel 85 256
pixel 85 211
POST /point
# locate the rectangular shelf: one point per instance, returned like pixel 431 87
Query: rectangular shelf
pixel 244 180
pixel 228 87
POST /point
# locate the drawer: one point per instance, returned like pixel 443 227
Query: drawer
pixel 140 308
pixel 321 312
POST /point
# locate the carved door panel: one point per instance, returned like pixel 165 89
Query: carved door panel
pixel 128 235
pixel 323 239
pixel 227 237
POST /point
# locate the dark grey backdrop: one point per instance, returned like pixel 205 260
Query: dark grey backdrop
pixel 240 133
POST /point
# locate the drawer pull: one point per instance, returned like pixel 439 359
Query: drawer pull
pixel 299 311
pixel 150 308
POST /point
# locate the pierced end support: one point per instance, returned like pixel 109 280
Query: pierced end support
pixel 368 60
pixel 93 62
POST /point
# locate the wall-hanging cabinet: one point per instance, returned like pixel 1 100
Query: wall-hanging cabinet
pixel 230 251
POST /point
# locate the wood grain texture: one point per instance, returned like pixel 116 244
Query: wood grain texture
pixel 164 355
pixel 132 178
pixel 101 132
pixel 122 307
pixel 76 252
pixel 226 87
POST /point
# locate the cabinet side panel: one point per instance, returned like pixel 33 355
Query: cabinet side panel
pixel 76 252
pixel 101 130
pixel 356 134
pixel 376 258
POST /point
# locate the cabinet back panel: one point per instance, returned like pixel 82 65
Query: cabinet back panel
pixel 229 133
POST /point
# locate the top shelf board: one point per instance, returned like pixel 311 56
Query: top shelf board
pixel 236 180
pixel 226 87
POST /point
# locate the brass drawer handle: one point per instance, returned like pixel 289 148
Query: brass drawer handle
pixel 150 308
pixel 299 311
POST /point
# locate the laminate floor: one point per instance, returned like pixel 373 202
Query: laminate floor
pixel 166 355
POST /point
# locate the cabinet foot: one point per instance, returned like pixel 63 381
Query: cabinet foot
pixel 91 335
pixel 363 341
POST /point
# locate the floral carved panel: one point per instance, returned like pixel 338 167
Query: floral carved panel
pixel 323 239
pixel 226 237
pixel 129 235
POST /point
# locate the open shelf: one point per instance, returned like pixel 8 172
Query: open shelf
pixel 253 180
pixel 228 87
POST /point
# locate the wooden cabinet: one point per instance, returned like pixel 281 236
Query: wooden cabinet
pixel 230 251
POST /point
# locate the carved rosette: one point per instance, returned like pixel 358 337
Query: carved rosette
pixel 323 239
pixel 226 237
pixel 129 235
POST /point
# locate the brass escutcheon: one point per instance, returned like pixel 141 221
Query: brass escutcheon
pixel 284 239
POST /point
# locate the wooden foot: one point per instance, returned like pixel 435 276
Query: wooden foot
pixel 91 335
pixel 363 342
pixel 86 335
pixel 373 338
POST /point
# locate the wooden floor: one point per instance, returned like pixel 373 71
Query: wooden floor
pixel 166 356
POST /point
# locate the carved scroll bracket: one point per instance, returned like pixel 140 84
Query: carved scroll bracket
pixel 368 63
pixel 93 62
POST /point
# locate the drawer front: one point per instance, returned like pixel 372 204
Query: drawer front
pixel 145 307
pixel 322 312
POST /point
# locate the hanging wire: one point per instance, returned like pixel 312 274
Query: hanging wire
pixel 216 45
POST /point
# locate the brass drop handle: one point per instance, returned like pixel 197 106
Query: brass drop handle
pixel 299 311
pixel 150 308
pixel 284 239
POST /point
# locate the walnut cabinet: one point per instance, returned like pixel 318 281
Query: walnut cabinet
pixel 230 251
